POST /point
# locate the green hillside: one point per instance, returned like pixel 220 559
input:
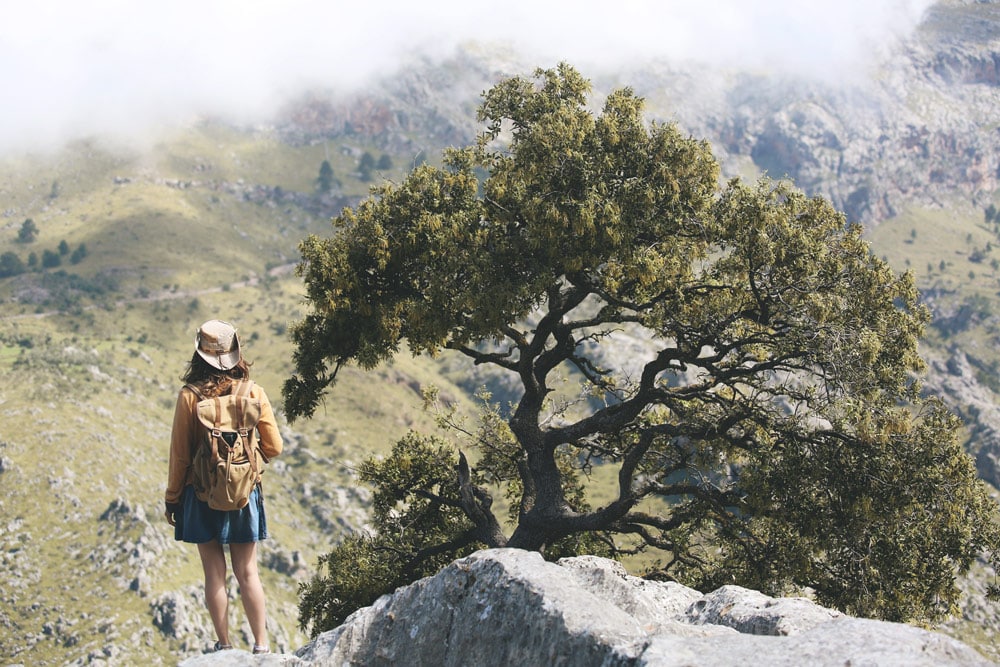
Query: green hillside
pixel 950 250
pixel 90 359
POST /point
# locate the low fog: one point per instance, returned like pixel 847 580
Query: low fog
pixel 124 68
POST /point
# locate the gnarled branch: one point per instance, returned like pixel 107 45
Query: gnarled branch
pixel 476 503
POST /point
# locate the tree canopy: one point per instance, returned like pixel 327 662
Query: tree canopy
pixel 324 182
pixel 28 231
pixel 746 364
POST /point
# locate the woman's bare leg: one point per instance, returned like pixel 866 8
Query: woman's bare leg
pixel 213 561
pixel 251 591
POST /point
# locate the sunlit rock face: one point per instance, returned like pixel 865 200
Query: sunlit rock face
pixel 506 606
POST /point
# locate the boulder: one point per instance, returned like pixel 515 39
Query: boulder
pixel 510 607
pixel 506 606
pixel 496 607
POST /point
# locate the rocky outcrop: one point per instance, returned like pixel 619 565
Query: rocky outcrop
pixel 433 101
pixel 506 606
pixel 956 380
pixel 918 127
pixel 130 546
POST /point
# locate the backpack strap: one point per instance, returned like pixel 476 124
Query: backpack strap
pixel 194 390
pixel 216 434
pixel 241 388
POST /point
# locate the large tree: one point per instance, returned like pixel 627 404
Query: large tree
pixel 768 430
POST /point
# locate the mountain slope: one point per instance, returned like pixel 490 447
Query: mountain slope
pixel 91 356
pixel 205 224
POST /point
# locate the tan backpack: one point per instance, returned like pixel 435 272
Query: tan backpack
pixel 227 463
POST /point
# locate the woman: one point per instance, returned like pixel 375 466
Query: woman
pixel 214 368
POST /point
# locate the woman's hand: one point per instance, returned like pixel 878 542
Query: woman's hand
pixel 173 509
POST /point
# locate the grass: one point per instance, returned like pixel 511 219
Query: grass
pixel 954 256
pixel 87 415
pixel 88 382
pixel 940 247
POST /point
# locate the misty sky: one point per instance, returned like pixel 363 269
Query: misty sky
pixel 78 67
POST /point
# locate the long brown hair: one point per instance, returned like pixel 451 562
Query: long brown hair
pixel 210 380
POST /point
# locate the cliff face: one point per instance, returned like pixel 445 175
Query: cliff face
pixel 918 126
pixel 510 607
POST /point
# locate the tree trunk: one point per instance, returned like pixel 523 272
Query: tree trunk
pixel 476 503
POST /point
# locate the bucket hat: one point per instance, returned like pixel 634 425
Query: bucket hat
pixel 218 344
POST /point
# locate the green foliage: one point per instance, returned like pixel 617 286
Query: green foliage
pixel 50 259
pixel 28 231
pixel 351 576
pixel 79 254
pixel 325 180
pixel 64 291
pixel 862 540
pixel 366 166
pixel 63 247
pixel 10 265
pixel 412 507
pixel 420 526
pixel 772 433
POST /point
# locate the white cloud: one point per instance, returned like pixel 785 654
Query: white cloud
pixel 69 67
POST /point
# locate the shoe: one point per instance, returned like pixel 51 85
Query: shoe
pixel 257 650
pixel 222 647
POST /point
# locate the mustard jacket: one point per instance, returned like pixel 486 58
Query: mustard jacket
pixel 187 430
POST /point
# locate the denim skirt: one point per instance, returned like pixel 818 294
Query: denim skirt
pixel 199 523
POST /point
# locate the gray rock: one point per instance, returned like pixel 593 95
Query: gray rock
pixel 238 658
pixel 836 643
pixel 504 606
pixel 957 380
pixel 179 614
pixel 496 607
pixel 754 613
pixel 653 603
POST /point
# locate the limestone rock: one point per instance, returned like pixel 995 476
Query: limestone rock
pixel 654 604
pixel 505 606
pixel 839 642
pixel 499 607
pixel 238 658
pixel 754 613
pixel 179 615
pixel 957 381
